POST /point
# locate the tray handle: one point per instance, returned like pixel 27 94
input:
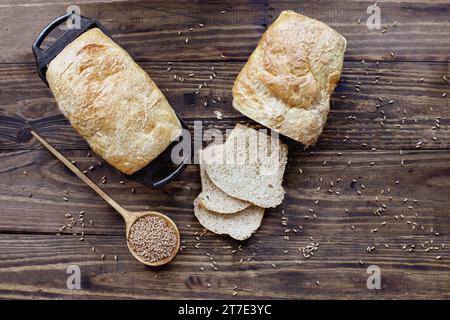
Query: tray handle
pixel 45 56
pixel 147 175
pixel 44 33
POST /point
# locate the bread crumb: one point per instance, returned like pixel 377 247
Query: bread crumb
pixel 218 114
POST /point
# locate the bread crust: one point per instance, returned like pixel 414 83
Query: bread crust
pixel 288 80
pixel 112 102
pixel 240 225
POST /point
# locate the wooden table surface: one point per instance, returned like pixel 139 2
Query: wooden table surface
pixel 398 153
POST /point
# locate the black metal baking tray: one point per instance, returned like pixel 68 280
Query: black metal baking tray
pixel 158 172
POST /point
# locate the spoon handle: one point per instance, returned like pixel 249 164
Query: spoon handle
pixel 82 176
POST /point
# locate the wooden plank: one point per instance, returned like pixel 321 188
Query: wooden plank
pixel 25 102
pixel 149 31
pixel 33 201
pixel 33 184
pixel 29 261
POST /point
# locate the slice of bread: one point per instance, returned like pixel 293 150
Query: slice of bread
pixel 214 199
pixel 239 225
pixel 249 166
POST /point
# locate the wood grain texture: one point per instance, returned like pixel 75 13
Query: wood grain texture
pixel 149 30
pixel 425 177
pixel 33 184
pixel 27 103
pixel 29 244
pixel 34 267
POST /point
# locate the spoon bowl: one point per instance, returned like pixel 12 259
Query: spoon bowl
pixel 131 217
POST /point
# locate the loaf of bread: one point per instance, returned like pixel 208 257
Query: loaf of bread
pixel 288 80
pixel 112 102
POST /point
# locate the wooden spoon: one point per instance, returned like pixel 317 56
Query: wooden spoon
pixel 130 217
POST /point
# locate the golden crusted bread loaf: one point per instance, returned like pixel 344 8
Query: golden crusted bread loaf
pixel 112 102
pixel 287 82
